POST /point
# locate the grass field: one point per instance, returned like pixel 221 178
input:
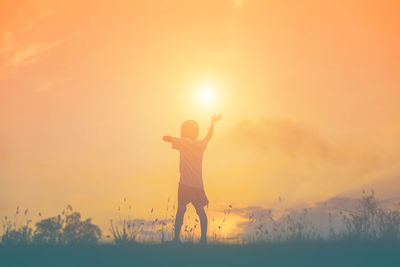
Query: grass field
pixel 323 253
pixel 369 235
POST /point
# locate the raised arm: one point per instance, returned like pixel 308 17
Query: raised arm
pixel 167 138
pixel 214 119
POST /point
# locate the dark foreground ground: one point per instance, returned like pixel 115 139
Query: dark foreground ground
pixel 322 254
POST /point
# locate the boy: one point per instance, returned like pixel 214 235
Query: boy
pixel 191 187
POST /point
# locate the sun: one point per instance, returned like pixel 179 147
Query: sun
pixel 207 94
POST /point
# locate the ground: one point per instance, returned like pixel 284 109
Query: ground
pixel 318 253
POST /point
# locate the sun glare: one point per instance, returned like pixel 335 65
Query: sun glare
pixel 206 94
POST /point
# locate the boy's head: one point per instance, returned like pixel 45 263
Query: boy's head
pixel 190 129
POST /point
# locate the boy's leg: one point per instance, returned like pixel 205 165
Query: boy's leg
pixel 203 222
pixel 179 221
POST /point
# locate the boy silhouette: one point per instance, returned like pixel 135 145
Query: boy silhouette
pixel 191 187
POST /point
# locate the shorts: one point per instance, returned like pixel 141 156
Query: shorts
pixel 187 194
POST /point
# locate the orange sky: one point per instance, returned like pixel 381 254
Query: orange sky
pixel 309 91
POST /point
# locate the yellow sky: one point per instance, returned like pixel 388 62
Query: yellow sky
pixel 309 91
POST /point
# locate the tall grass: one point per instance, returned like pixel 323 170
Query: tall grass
pixel 369 220
pixel 16 230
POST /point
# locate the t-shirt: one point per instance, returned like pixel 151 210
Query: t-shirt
pixel 191 159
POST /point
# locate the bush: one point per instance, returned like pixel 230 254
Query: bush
pixel 76 231
pixel 49 231
pixel 369 221
pixel 14 232
pixel 66 228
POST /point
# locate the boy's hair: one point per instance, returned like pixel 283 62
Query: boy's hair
pixel 190 129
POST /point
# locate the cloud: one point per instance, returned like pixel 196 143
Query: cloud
pixel 30 53
pixel 16 43
pixel 40 16
pixel 387 188
pixel 284 136
pixel 293 141
pixel 280 157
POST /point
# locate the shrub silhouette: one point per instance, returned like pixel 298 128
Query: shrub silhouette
pixel 17 236
pixel 389 223
pixel 66 228
pixel 77 231
pixel 14 232
pixel 369 221
pixel 49 231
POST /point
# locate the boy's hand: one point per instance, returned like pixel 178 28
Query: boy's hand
pixel 167 138
pixel 216 117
